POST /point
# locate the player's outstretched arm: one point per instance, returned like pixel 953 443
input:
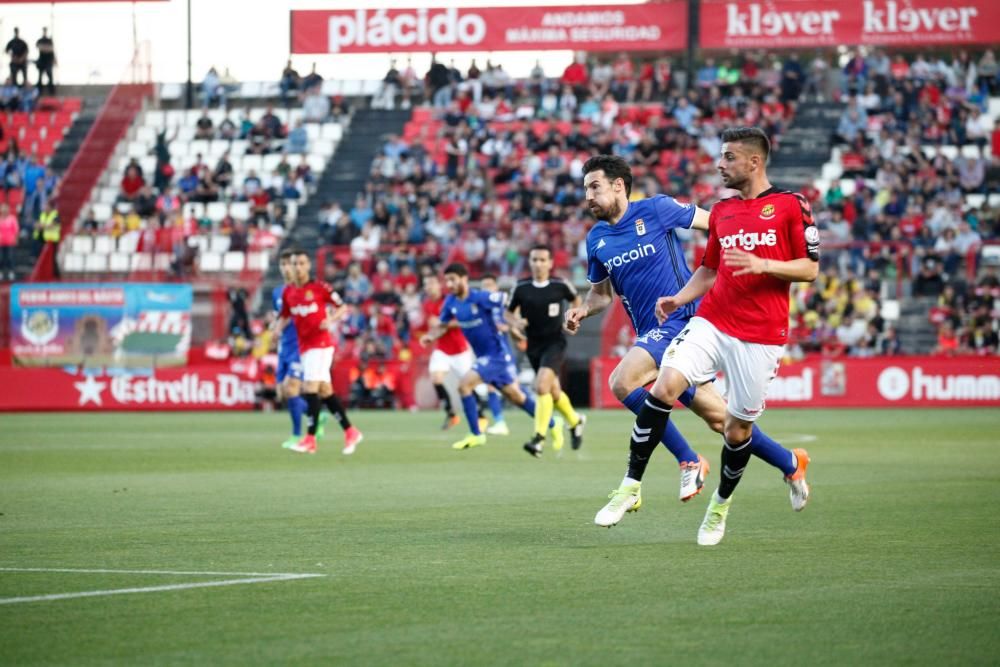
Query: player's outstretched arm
pixel 801 270
pixel 700 221
pixel 696 287
pixel 279 325
pixel 597 300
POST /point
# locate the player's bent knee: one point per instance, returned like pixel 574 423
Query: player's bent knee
pixel 737 430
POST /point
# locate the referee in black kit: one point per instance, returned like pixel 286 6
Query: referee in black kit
pixel 536 309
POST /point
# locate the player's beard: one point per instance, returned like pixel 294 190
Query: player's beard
pixel 735 182
pixel 612 211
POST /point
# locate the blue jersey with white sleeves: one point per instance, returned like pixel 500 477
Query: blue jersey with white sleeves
pixel 643 257
pixel 476 317
pixel 288 344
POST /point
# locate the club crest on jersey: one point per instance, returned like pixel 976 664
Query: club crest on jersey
pixel 475 311
pixel 640 227
pixel 309 294
pixel 767 212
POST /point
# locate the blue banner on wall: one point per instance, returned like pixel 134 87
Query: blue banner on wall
pixel 141 325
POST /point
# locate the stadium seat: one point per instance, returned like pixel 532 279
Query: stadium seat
pixel 103 245
pixel 219 243
pixel 975 200
pixel 118 262
pixel 83 245
pixel 171 91
pixel 233 261
pixel 128 243
pixel 257 261
pixel 971 151
pixel 73 262
pixel 142 261
pixel 210 262
pixel 332 131
pixel 95 263
pixel 890 310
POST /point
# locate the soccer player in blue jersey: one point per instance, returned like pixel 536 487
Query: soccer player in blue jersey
pixel 634 251
pixel 474 311
pixel 290 372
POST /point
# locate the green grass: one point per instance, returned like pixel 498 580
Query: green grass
pixel 435 557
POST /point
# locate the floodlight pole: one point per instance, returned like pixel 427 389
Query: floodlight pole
pixel 190 86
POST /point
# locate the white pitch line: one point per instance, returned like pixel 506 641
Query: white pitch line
pixel 248 579
pixel 176 572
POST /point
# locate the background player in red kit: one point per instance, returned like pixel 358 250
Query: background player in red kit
pixel 305 303
pixel 758 243
pixel 451 351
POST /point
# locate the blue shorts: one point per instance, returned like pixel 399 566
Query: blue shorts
pixel 289 366
pixel 656 341
pixel 497 371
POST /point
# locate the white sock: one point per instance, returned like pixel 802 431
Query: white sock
pixel 629 480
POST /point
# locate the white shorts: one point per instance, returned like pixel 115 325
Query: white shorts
pixel 700 350
pixel 316 364
pixel 460 363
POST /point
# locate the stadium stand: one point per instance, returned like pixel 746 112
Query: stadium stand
pixel 207 206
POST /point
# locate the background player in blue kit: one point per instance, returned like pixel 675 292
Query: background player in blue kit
pixel 634 251
pixel 474 311
pixel 290 373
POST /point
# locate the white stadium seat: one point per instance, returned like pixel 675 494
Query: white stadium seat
pixel 118 262
pixel 83 245
pixel 210 262
pixel 257 261
pixel 142 261
pixel 332 131
pixel 233 261
pixel 103 245
pixel 219 243
pixel 72 262
pixel 95 263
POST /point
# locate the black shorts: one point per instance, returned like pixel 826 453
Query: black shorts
pixel 547 354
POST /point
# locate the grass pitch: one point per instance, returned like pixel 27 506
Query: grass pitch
pixel 436 557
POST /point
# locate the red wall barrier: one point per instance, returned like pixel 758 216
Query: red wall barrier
pixel 847 382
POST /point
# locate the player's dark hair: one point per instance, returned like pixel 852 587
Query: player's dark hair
pixel 541 246
pixel 488 276
pixel 457 269
pixel 613 167
pixel 287 253
pixel 752 136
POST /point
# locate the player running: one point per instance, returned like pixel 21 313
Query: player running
pixel 758 244
pixel 452 354
pixel 289 375
pixel 634 251
pixel 536 307
pixel 305 304
pixel 472 310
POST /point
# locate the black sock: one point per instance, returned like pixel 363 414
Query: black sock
pixel 483 406
pixel 336 409
pixel 445 399
pixel 734 462
pixel 647 432
pixel 313 407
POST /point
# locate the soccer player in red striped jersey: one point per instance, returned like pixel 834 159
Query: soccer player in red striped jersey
pixel 306 304
pixel 758 244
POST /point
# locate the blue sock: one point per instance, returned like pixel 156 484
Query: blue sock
pixel 763 447
pixel 471 408
pixel 296 408
pixel 496 407
pixel 672 438
pixel 529 407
